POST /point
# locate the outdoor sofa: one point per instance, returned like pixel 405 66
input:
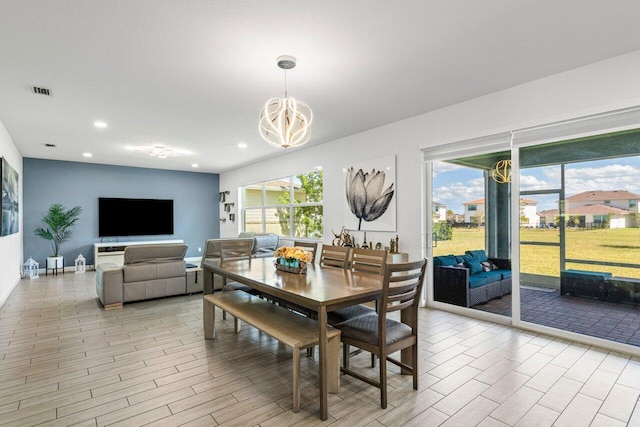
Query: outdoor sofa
pixel 470 279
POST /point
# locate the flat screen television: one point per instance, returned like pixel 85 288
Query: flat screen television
pixel 134 217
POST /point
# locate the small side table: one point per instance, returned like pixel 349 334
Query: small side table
pixel 54 269
pixel 194 280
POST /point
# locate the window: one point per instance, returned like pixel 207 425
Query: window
pixel 632 203
pixel 290 206
pixel 473 207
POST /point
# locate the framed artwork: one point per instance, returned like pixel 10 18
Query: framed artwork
pixel 10 198
pixel 370 202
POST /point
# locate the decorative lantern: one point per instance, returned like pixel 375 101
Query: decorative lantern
pixel 81 264
pixel 30 269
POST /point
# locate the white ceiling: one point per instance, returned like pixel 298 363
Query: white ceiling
pixel 193 74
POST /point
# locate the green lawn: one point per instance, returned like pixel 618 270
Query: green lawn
pixel 612 245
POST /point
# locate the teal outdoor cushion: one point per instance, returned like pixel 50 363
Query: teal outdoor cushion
pixel 491 276
pixel 463 258
pixel 579 273
pixel 506 274
pixel 476 281
pixel 479 255
pixel 474 267
pixel 445 260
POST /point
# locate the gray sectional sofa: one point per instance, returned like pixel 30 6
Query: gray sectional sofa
pixel 149 271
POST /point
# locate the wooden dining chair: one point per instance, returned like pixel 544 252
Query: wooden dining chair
pixel 367 261
pixel 232 251
pixel 382 336
pixel 335 256
pixel 313 248
pixel 309 246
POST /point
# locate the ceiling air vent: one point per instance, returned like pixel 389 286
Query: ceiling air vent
pixel 41 91
pixel 50 145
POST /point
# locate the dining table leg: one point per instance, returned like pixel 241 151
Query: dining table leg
pixel 322 344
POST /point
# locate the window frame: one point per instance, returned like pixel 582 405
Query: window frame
pixel 291 206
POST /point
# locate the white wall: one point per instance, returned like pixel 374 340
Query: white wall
pixel 10 246
pixel 603 86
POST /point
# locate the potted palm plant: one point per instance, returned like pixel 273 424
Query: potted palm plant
pixel 60 222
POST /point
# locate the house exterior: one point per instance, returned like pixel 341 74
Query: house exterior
pixel 439 212
pixel 528 212
pixel 474 208
pixel 614 208
pixel 620 199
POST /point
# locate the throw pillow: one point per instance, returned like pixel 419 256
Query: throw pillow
pixel 473 266
pixel 486 266
pixel 478 254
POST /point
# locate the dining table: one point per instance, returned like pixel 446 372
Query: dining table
pixel 321 289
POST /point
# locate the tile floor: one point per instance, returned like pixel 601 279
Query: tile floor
pixel 66 361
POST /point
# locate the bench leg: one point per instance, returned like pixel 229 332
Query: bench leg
pixel 208 319
pixel 296 379
pixel 333 363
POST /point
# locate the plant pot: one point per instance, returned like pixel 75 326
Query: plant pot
pixel 55 262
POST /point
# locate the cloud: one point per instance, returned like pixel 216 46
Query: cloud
pixel 530 182
pixel 454 194
pixel 609 177
pixel 443 168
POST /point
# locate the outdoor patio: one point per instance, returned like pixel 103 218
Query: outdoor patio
pixel 615 322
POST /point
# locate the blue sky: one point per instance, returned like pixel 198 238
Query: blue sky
pixel 454 185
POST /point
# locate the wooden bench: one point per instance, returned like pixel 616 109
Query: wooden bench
pixel 291 329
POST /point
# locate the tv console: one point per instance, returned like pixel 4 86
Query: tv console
pixel 114 251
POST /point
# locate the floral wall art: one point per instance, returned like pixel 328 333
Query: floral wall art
pixel 10 198
pixel 370 202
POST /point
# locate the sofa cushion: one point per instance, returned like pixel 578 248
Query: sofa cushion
pixel 265 244
pixel 506 274
pixel 445 260
pixel 474 266
pixel 462 258
pixel 171 269
pixel 155 253
pixel 477 281
pixel 491 276
pixel 581 273
pixel 479 255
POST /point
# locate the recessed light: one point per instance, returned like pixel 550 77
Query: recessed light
pixel 195 165
pixel 87 154
pixel 242 145
pixel 100 124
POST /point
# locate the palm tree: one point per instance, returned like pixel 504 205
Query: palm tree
pixel 60 223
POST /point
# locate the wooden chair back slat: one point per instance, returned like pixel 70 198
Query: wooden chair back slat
pixel 368 261
pixel 235 250
pixel 334 256
pixel 308 246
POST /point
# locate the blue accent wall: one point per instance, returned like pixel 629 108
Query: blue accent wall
pixel 45 182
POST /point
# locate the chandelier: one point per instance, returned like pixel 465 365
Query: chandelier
pixel 285 122
pixel 501 171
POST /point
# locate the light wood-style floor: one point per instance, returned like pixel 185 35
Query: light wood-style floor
pixel 66 361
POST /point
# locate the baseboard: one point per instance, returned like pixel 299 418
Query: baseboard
pixel 5 296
